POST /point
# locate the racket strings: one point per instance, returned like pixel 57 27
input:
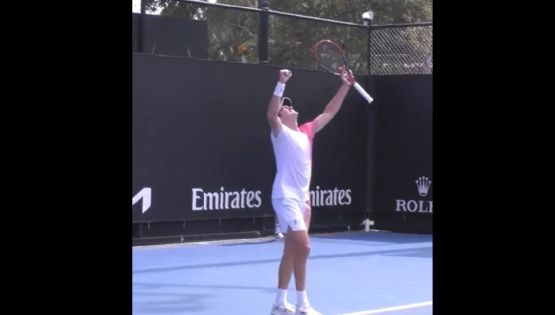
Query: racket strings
pixel 329 57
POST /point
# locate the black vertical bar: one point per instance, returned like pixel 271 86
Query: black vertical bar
pixel 140 31
pixel 369 47
pixel 371 132
pixel 263 31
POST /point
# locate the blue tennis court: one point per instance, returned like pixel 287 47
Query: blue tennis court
pixel 350 273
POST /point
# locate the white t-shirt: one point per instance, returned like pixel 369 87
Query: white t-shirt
pixel 293 154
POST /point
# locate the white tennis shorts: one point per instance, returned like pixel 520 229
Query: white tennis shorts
pixel 290 214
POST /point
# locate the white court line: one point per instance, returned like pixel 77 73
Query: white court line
pixel 394 308
pixel 253 240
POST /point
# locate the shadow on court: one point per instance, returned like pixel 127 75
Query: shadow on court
pixel 347 273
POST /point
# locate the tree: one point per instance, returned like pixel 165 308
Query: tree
pixel 233 34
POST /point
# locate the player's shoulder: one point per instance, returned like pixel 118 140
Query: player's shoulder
pixel 307 127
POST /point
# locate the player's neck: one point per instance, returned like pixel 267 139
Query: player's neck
pixel 292 125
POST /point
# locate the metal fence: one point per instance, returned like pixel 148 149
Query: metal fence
pixel 401 49
pixel 262 35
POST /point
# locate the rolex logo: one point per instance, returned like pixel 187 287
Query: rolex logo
pixel 417 206
pixel 423 185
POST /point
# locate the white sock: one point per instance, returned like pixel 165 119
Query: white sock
pixel 302 298
pixel 281 297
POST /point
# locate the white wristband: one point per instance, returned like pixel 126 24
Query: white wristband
pixel 280 87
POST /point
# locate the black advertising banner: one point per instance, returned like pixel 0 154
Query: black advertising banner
pixel 403 183
pixel 201 141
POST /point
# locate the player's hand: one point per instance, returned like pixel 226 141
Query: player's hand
pixel 284 75
pixel 347 77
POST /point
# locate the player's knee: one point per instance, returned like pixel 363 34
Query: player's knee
pixel 304 249
pixel 288 251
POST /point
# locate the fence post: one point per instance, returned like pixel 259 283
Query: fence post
pixel 367 18
pixel 140 26
pixel 263 31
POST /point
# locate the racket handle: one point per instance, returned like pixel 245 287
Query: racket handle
pixel 362 92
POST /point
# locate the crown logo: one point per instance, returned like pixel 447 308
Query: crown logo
pixel 423 185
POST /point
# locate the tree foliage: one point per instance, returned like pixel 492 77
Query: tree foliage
pixel 233 33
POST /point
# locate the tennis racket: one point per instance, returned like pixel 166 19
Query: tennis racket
pixel 330 57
